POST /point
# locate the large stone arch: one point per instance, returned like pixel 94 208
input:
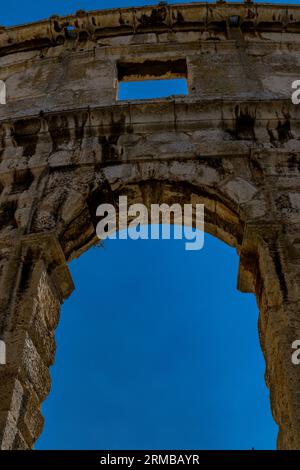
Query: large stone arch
pixel 68 145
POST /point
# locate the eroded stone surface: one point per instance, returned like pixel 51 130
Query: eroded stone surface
pixel 67 145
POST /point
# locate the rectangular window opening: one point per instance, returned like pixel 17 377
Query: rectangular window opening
pixel 152 79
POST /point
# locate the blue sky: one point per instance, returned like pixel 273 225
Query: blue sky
pixel 156 347
pixel 158 350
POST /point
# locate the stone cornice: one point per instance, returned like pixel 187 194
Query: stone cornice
pixel 99 24
pixel 145 111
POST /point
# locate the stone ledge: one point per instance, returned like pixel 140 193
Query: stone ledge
pixel 94 25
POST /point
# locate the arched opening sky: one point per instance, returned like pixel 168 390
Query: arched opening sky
pixel 158 350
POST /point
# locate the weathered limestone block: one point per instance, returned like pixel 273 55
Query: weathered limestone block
pixel 29 313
